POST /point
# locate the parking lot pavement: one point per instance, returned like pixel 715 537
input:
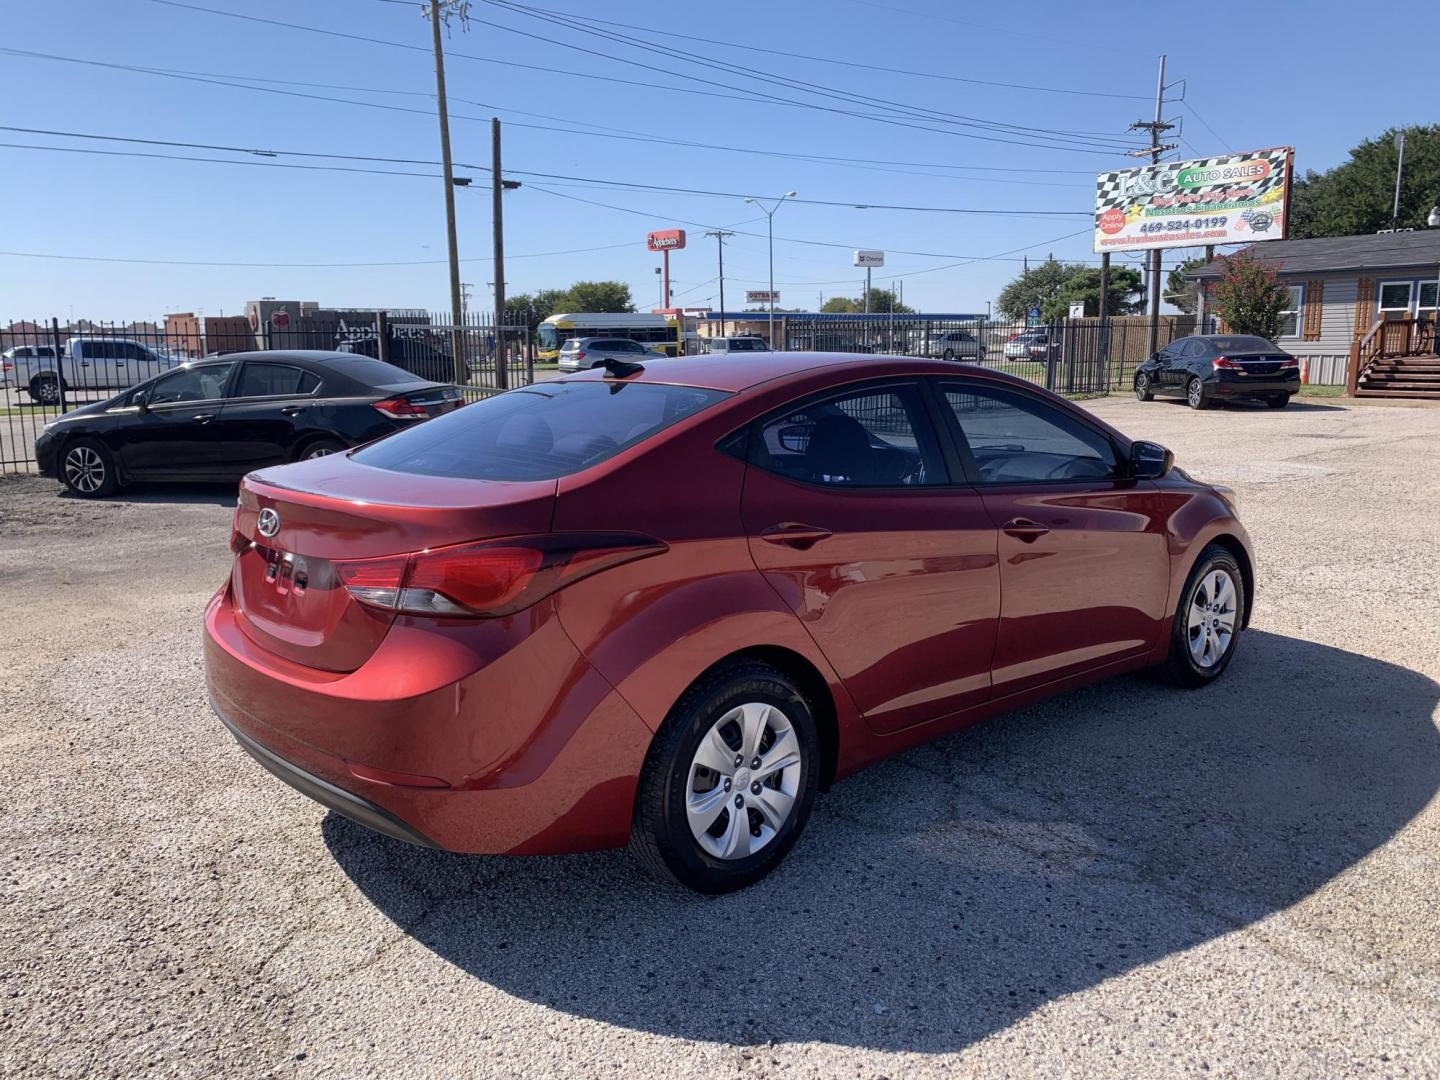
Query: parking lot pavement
pixel 1126 881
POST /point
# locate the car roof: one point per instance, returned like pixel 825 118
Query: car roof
pixel 721 371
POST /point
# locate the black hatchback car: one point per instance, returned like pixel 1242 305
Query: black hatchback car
pixel 1207 368
pixel 219 418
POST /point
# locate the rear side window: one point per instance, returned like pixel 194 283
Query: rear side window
pixel 275 380
pixel 1242 343
pixel 876 437
pixel 538 432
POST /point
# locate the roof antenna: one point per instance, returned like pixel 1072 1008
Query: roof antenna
pixel 615 368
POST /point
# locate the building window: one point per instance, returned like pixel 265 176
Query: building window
pixel 1429 293
pixel 1395 297
pixel 1290 316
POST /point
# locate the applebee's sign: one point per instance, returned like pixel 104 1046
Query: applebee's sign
pixel 666 240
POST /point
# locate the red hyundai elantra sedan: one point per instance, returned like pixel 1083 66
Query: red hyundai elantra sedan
pixel 665 606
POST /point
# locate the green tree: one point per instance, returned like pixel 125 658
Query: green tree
pixel 1185 295
pixel 1249 296
pixel 882 301
pixel 1053 286
pixel 597 296
pixel 1357 196
pixel 531 309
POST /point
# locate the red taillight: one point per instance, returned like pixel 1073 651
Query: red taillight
pixel 1224 363
pixel 495 577
pixel 1290 362
pixel 399 408
pixel 580 355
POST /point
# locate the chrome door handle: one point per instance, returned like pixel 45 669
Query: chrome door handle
pixel 795 534
pixel 203 418
pixel 292 410
pixel 1024 530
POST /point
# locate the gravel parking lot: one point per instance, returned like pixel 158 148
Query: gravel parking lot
pixel 1127 881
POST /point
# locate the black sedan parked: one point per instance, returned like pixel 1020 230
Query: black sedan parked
pixel 1207 368
pixel 219 418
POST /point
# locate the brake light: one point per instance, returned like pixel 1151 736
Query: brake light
pixel 1290 362
pixel 490 578
pixel 1224 363
pixel 399 408
pixel 580 355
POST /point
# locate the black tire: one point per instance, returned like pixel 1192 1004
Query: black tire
pixel 319 448
pixel 1278 402
pixel 45 389
pixel 1142 387
pixel 660 835
pixel 1195 394
pixel 1181 665
pixel 88 469
pixel 949 354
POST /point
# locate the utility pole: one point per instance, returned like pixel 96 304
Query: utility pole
pixel 720 235
pixel 1157 127
pixel 457 339
pixel 1399 172
pixel 498 187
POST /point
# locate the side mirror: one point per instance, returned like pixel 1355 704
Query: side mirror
pixel 1150 461
pixel 141 401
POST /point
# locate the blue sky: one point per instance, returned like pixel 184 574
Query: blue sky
pixel 1250 80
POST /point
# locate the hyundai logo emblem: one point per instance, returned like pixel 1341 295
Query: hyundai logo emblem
pixel 268 523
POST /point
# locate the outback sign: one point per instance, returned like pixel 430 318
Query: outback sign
pixel 666 240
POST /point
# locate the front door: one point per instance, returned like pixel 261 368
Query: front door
pixel 1084 563
pixel 178 435
pixel 891 568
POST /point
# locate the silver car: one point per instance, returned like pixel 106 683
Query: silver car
pixel 957 345
pixel 578 354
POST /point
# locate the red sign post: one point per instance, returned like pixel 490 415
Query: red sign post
pixel 665 241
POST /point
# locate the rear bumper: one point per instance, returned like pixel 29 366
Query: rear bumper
pixel 1264 386
pixel 492 737
pixel 326 794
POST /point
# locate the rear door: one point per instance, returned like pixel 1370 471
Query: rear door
pixel 1084 561
pixel 268 406
pixel 851 516
pixel 177 435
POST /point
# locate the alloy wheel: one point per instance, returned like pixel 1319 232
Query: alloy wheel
pixel 744 781
pixel 1194 393
pixel 1142 386
pixel 84 470
pixel 1211 624
pixel 319 451
pixel 48 391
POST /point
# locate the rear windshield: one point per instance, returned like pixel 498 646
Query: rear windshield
pixel 538 432
pixel 1242 343
pixel 372 372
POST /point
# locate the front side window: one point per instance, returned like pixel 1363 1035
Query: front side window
pixel 1395 298
pixel 1290 317
pixel 274 380
pixel 189 384
pixel 538 432
pixel 876 437
pixel 1016 439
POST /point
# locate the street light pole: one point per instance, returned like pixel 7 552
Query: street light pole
pixel 770 233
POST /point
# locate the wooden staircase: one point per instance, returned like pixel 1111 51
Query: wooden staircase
pixel 1396 359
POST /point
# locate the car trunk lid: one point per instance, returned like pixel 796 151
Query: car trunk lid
pixel 319 514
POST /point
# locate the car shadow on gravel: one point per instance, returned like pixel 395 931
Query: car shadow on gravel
pixel 945 894
pixel 193 493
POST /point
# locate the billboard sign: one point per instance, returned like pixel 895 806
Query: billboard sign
pixel 869 258
pixel 1230 199
pixel 666 240
pixel 761 296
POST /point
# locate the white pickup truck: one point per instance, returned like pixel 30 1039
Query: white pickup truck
pixel 87 363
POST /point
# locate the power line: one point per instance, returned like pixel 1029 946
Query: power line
pixel 791 55
pixel 804 86
pixel 219 79
pixel 1224 143
pixel 303 266
pixel 755 96
pixel 618 184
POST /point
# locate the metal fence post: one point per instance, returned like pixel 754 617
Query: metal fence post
pixel 382 336
pixel 59 361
